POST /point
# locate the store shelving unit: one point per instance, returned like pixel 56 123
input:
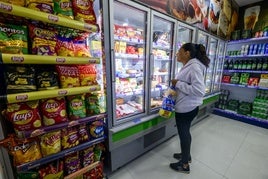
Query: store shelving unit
pixel 57 21
pixel 242 51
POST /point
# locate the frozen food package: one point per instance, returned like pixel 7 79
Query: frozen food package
pixel 53 110
pixel 13 39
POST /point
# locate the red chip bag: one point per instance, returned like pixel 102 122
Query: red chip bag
pixel 24 116
pixel 83 11
pixel 53 110
pixel 69 76
pixel 88 74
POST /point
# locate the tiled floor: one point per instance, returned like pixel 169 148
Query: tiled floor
pixel 222 148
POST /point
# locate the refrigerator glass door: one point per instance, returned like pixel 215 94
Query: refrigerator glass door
pixel 185 34
pixel 219 66
pixel 202 38
pixel 129 60
pixel 213 43
pixel 161 58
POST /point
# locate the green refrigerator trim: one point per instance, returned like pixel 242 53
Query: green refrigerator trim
pixel 149 124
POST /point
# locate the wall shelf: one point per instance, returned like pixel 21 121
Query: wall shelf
pixel 45 17
pixel 245 86
pixel 245 71
pixel 38 59
pixel 250 40
pixel 53 157
pixel 248 119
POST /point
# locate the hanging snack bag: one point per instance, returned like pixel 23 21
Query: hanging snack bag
pixel 53 110
pixel 88 74
pixel 15 2
pixel 13 39
pixel 24 116
pixel 63 8
pixel 22 150
pixel 52 170
pixel 87 156
pixel 40 5
pixel 71 163
pixel 50 143
pixel 20 79
pixel 69 137
pixel 43 41
pixel 69 76
pixel 96 129
pixel 76 107
pixel 83 11
pixel 83 133
pixel 81 49
pixel 95 103
pixel 46 78
pixel 65 47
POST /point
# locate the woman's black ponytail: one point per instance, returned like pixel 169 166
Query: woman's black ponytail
pixel 197 51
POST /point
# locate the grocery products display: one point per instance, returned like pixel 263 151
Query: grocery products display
pixel 245 71
pixel 54 111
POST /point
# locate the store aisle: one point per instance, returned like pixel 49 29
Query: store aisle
pixel 222 148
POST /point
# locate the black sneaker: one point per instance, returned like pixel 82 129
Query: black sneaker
pixel 179 167
pixel 178 156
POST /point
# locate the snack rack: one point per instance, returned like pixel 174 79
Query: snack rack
pixel 27 13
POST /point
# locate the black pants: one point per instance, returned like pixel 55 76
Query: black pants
pixel 183 122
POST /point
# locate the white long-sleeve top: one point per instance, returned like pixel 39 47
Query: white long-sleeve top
pixel 191 86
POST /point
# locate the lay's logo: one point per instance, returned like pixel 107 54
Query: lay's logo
pixel 23 115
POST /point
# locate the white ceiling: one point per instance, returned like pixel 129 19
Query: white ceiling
pixel 246 2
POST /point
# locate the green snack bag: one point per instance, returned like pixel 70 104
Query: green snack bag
pixel 63 8
pixel 76 107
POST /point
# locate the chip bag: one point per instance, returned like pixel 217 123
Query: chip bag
pixel 50 143
pixel 76 106
pixel 69 75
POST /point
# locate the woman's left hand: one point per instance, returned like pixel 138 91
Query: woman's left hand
pixel 174 82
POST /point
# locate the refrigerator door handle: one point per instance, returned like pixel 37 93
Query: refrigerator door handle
pixel 151 66
pixel 113 65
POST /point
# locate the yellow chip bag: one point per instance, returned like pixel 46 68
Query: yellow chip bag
pixel 50 143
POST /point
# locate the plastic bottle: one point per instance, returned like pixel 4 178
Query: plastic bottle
pixel 265 65
pixel 254 64
pixel 231 65
pixel 236 65
pixel 259 64
pixel 226 65
pixel 249 65
pixel 240 63
pixel 266 48
pixel 244 64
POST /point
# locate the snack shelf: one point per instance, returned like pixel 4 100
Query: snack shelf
pixel 35 95
pixel 248 40
pixel 246 56
pixel 53 157
pixel 38 59
pixel 245 71
pixel 46 129
pixel 45 17
pixel 82 171
pixel 245 86
pixel 240 117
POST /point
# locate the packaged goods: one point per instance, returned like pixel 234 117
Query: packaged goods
pixel 71 163
pixel 28 175
pixel 69 137
pixel 40 5
pixel 96 129
pixel 50 143
pixel 13 39
pixel 168 103
pixel 46 78
pixel 83 133
pixel 95 103
pixel 76 107
pixel 87 156
pixel 63 8
pixel 53 110
pixel 65 47
pixel 20 79
pixel 24 116
pixel 69 75
pixel 81 49
pixel 52 170
pixel 88 74
pixel 15 2
pixel 83 11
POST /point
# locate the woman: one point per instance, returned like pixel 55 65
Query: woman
pixel 190 88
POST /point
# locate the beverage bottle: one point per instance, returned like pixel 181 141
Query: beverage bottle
pixel 266 48
pixel 254 64
pixel 250 51
pixel 244 64
pixel 240 65
pixel 249 65
pixel 265 65
pixel 231 65
pixel 226 65
pixel 255 49
pixel 246 50
pixel 236 65
pixel 259 64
